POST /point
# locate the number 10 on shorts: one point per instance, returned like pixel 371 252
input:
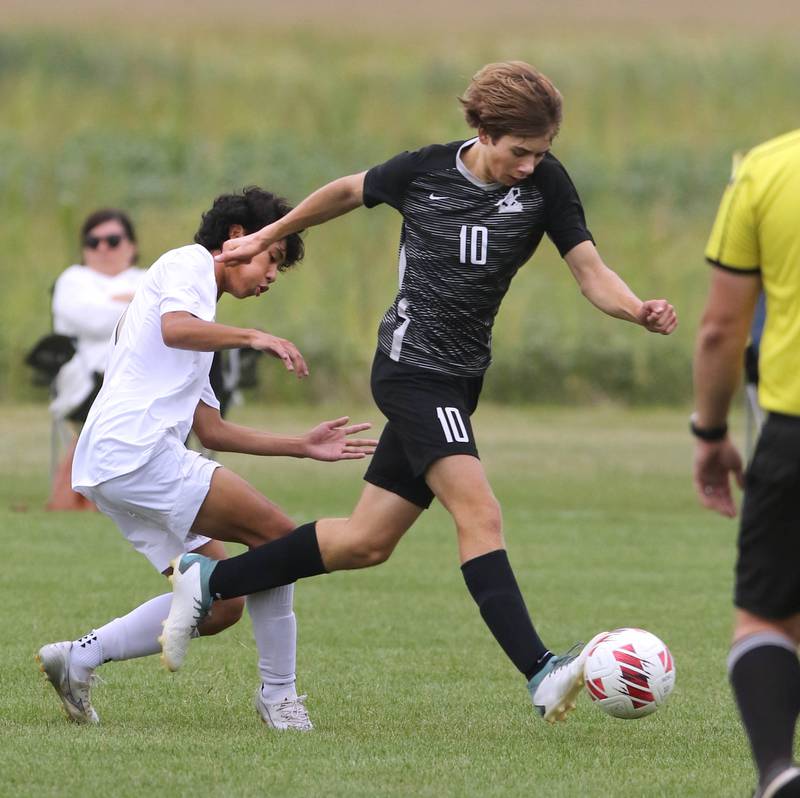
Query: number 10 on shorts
pixel 452 424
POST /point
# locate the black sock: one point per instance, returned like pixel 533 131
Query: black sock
pixel 492 584
pixel 765 677
pixel 279 562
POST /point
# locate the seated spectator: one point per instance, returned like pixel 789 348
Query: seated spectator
pixel 88 300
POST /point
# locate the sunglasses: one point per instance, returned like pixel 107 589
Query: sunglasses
pixel 93 242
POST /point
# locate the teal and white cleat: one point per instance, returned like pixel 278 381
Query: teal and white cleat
pixel 784 784
pixel 291 713
pixel 54 660
pixel 555 688
pixel 191 602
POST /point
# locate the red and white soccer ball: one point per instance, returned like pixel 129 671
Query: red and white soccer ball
pixel 629 672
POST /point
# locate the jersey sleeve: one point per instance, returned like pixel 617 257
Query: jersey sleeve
pixel 208 397
pixel 565 222
pixel 733 243
pixel 188 284
pixel 388 181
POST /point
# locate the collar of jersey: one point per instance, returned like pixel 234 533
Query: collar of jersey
pixel 461 166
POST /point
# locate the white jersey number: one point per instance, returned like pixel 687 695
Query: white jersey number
pixel 452 424
pixel 478 244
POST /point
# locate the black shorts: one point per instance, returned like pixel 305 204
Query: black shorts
pixel 768 565
pixel 428 418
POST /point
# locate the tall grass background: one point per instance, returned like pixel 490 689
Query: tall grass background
pixel 160 122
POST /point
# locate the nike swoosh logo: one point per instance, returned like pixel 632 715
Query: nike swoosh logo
pixel 434 197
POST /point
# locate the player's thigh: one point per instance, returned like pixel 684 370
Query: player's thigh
pixel 461 485
pixel 370 534
pixel 233 510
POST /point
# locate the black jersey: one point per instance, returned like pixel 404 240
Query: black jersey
pixel 461 243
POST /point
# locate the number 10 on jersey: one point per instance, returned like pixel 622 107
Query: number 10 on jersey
pixel 478 239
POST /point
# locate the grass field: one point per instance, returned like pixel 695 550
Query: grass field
pixel 409 694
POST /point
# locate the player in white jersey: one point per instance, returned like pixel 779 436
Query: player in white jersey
pixel 131 459
pixel 472 213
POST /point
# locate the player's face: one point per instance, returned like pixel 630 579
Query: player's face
pixel 107 248
pixel 255 278
pixel 510 159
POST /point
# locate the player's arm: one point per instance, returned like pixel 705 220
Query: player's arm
pixel 332 200
pixel 328 441
pixel 606 290
pixel 721 339
pixel 181 330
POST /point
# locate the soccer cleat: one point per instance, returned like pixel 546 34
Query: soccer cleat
pixel 54 660
pixel 554 689
pixel 785 785
pixel 191 602
pixel 291 713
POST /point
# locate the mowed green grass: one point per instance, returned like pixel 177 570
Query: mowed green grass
pixel 409 694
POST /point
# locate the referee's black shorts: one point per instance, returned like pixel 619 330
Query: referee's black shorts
pixel 768 565
pixel 428 418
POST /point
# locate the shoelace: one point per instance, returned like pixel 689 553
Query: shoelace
pixel 294 710
pixel 200 613
pixel 568 657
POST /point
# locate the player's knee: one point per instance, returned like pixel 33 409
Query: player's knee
pixel 223 614
pixel 484 520
pixel 369 553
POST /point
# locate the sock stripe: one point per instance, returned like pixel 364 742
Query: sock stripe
pixel 757 640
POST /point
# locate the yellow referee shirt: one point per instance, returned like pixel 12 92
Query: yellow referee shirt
pixel 757 229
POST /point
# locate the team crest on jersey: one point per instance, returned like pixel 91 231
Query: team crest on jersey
pixel 510 203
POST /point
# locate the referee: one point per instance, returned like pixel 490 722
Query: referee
pixel 473 212
pixel 755 242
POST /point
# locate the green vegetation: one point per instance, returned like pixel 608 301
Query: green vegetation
pixel 410 695
pixel 160 124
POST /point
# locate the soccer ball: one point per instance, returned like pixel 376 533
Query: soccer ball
pixel 629 672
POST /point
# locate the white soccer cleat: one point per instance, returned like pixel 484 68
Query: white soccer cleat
pixel 291 713
pixel 191 602
pixel 554 690
pixel 54 660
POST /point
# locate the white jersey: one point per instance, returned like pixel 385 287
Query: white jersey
pixel 150 390
pixel 85 309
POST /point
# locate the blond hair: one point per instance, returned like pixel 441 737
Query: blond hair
pixel 512 97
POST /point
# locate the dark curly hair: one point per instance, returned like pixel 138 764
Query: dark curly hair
pixel 252 209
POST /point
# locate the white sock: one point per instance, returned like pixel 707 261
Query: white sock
pixel 134 635
pixel 275 631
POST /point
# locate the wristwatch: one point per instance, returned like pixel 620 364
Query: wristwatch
pixel 707 433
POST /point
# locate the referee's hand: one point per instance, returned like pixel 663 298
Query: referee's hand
pixel 714 463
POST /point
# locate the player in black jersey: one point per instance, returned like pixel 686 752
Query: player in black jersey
pixel 473 212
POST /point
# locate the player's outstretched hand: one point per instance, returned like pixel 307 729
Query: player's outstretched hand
pixel 282 349
pixel 236 251
pixel 714 463
pixel 330 441
pixel 658 316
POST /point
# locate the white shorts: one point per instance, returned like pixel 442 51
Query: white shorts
pixel 156 505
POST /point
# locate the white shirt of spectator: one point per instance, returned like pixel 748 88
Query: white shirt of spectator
pixel 150 390
pixel 83 308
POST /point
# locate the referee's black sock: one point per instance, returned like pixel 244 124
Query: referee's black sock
pixel 492 584
pixel 765 677
pixel 279 562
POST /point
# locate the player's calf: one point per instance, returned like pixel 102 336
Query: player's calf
pixel 226 613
